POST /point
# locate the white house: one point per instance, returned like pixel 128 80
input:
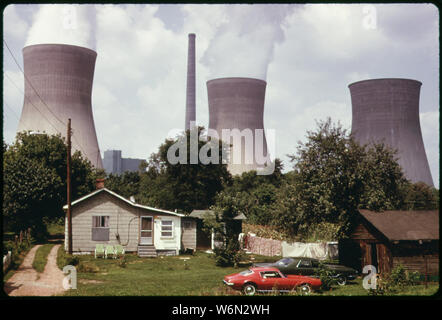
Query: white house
pixel 104 217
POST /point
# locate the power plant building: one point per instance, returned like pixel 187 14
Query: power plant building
pixel 387 110
pixel 114 164
pixel 58 87
pixel 238 103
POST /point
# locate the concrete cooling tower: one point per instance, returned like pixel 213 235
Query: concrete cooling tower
pixel 388 110
pixel 238 103
pixel 58 86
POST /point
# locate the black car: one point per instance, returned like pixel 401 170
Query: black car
pixel 309 267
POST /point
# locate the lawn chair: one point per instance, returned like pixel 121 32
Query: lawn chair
pixel 99 250
pixel 119 250
pixel 109 251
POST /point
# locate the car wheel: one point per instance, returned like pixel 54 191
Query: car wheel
pixel 304 289
pixel 341 280
pixel 249 289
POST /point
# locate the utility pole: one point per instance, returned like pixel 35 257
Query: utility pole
pixel 68 182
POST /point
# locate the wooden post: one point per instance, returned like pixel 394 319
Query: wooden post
pixel 426 271
pixel 68 182
pixel 21 237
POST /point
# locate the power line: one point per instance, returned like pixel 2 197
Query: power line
pixel 49 109
pixel 30 83
pixel 36 108
pixel 13 112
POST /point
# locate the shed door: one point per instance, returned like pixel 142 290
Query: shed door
pixel 146 230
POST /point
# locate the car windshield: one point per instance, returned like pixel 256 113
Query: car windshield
pixel 284 261
pixel 246 272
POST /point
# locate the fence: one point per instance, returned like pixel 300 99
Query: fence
pixel 17 239
pixel 270 247
pixel 7 261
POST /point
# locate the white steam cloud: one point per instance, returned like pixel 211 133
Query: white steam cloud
pixel 64 24
pixel 253 31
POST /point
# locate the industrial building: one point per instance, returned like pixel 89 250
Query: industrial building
pixel 58 87
pixel 387 110
pixel 238 103
pixel 115 164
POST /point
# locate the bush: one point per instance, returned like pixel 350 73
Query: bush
pixel 71 260
pixel 395 281
pixel 87 267
pixel 326 277
pixel 229 255
pixel 122 262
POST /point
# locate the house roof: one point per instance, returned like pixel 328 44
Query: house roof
pixel 92 194
pixel 405 225
pixel 200 214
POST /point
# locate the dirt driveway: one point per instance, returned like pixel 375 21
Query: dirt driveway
pixel 28 282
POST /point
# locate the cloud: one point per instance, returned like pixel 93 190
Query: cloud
pixel 430 128
pixel 308 54
pixel 64 24
pixel 244 41
pixel 13 25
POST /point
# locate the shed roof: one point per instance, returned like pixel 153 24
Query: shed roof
pixel 200 214
pixel 92 194
pixel 405 225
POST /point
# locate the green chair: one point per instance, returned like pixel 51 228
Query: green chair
pixel 119 250
pixel 109 251
pixel 99 250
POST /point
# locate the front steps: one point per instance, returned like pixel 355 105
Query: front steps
pixel 146 251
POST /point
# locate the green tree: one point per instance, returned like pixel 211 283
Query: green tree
pixel 34 180
pixel 419 196
pixel 126 184
pixel 183 186
pixel 333 177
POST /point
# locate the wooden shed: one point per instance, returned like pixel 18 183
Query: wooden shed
pixel 387 239
pixel 206 240
pixel 104 217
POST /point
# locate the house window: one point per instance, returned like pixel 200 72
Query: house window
pixel 167 228
pixel 100 228
pixel 100 222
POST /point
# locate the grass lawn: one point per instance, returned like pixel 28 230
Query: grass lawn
pixel 172 276
pixel 355 288
pixel 41 257
pixel 165 276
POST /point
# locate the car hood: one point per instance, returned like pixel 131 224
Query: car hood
pixel 265 265
pixel 338 267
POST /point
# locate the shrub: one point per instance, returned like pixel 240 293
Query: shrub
pixel 122 262
pixel 326 277
pixel 229 255
pixel 87 267
pixel 71 260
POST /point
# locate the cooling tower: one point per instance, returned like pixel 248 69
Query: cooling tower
pixel 58 86
pixel 190 88
pixel 388 110
pixel 238 103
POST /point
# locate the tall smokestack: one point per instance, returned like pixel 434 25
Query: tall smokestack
pixel 238 103
pixel 190 88
pixel 58 86
pixel 387 110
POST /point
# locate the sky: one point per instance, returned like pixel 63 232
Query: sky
pixel 307 53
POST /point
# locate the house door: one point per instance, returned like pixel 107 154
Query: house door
pixel 146 230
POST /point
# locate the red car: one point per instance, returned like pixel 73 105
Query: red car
pixel 265 279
